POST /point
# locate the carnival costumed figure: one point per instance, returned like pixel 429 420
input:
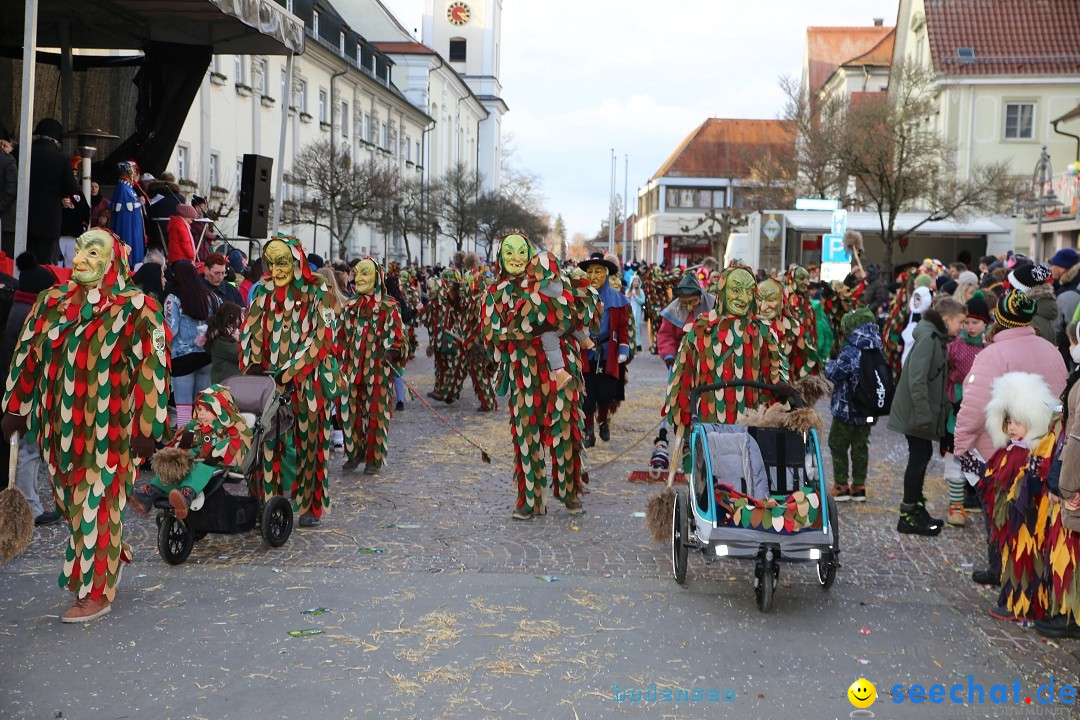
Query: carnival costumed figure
pixel 544 419
pixel 616 282
pixel 89 383
pixel 803 352
pixel 410 293
pixel 126 219
pixel 476 360
pixel 605 379
pixel 727 344
pixel 895 322
pixel 372 340
pixel 656 284
pixel 839 300
pixel 217 436
pixel 771 311
pixel 447 339
pixel 289 333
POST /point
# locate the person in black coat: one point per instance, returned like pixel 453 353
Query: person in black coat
pixel 9 185
pixel 51 186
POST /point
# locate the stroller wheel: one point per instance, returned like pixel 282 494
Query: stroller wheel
pixel 679 530
pixel 826 566
pixel 174 540
pixel 277 521
pixel 766 573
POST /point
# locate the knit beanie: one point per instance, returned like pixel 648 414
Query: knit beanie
pixel 1015 309
pixel 1025 277
pixel 978 309
pixel 858 317
pixel 923 280
pixel 33 277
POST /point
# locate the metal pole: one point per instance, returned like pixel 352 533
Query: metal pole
pixel 611 207
pixel 279 171
pixel 65 80
pixel 26 113
pixel 626 205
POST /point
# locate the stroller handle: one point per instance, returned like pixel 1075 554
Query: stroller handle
pixel 776 390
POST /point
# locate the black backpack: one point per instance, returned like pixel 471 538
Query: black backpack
pixel 874 390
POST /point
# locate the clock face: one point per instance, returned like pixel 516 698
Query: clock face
pixel 458 13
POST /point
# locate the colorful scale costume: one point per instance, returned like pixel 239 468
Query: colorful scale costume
pixel 477 357
pixel 410 293
pixel 90 370
pixel 446 325
pixel 726 344
pixel 840 302
pixel 542 419
pixel 372 341
pixel 895 322
pixel 289 333
pixel 802 354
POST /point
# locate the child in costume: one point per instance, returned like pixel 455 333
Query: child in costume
pixel 850 429
pixel 962 351
pixel 216 436
pixel 1020 419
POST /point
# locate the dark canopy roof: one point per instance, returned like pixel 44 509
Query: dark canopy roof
pixel 241 27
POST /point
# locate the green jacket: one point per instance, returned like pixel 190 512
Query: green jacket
pixel 920 406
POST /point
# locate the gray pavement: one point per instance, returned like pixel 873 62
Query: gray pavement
pixel 439 606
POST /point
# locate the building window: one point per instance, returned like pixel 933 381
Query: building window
pixel 262 71
pixel 1019 121
pixel 301 96
pixel 182 164
pixel 214 160
pixel 315 23
pixel 408 149
pixel 284 84
pixel 457 50
pixel 322 106
pixel 289 5
pixel 417 152
pixel 341 42
pixel 344 119
pixel 359 55
pixel 384 137
pixel 238 69
pixel 239 172
pixel 215 64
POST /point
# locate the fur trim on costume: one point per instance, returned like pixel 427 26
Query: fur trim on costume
pixel 813 388
pixel 1024 397
pixel 171 465
pixel 779 416
pixel 658 512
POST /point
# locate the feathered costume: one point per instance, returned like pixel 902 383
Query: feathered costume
pixel 90 370
pixel 372 340
pixel 802 355
pixel 1014 490
pixel 542 419
pixel 289 333
pixel 724 346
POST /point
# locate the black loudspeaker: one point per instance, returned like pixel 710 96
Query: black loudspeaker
pixel 255 196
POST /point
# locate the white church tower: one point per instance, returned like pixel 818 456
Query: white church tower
pixel 468 34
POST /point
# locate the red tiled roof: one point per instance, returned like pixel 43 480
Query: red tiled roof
pixel 827 48
pixel 1008 37
pixel 722 148
pixel 404 47
pixel 878 56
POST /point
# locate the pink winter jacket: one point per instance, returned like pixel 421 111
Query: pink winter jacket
pixel 1018 349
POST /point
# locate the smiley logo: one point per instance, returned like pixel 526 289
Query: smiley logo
pixel 862 693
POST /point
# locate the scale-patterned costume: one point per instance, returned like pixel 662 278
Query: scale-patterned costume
pixel 372 340
pixel 446 324
pixel 895 322
pixel 91 370
pixel 842 301
pixel 722 346
pixel 802 355
pixel 410 293
pixel 542 419
pixel 289 333
pixel 476 359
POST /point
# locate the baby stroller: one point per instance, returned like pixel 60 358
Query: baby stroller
pixel 756 493
pixel 216 510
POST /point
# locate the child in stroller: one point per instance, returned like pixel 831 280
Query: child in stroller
pixel 216 436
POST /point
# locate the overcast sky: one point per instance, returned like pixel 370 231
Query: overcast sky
pixel 584 76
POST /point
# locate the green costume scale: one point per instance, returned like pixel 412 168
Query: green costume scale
pixel 543 419
pixel 90 376
pixel 289 332
pixel 802 353
pixel 372 340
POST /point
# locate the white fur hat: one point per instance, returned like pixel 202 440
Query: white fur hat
pixel 921 299
pixel 1024 397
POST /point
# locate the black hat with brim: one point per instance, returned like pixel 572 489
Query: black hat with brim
pixel 597 258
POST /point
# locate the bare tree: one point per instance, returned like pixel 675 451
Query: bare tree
pixel 715 227
pixel 456 201
pixel 345 194
pixel 815 125
pixel 411 215
pixel 498 214
pixel 558 244
pixel 897 162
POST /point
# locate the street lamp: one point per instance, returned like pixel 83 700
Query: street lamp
pixel 1045 197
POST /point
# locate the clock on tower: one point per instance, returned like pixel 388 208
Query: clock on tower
pixel 458 13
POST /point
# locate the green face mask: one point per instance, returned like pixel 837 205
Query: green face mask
pixel 739 292
pixel 93 256
pixel 514 254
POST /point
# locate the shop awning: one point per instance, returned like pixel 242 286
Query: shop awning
pixel 818 221
pixel 239 27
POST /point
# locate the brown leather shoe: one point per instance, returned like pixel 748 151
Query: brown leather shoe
pixel 181 500
pixel 85 610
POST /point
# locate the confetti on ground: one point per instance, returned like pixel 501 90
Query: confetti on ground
pixel 547 578
pixel 316 611
pixel 371 551
pixel 306 632
pixel 864 631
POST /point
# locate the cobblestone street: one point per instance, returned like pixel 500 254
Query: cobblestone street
pixel 440 606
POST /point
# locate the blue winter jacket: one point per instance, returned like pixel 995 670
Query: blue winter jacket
pixel 843 372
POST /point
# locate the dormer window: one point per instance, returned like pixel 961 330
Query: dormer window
pixel 315 23
pixel 341 42
pixel 966 55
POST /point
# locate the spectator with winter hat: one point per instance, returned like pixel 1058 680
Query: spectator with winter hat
pixel 1032 280
pixel 1065 267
